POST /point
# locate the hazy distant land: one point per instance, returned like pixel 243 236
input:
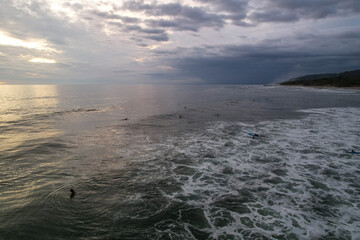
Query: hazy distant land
pixel 344 79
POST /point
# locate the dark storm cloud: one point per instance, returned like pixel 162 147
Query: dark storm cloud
pixel 169 9
pixel 234 6
pixel 180 18
pixel 179 24
pixel 216 14
pixel 262 70
pixel 234 10
pixel 198 15
pixel 268 62
pixel 144 30
pixel 154 9
pixel 350 35
pixel 183 17
pixel 158 37
pixel 163 23
pixel 229 70
pixel 131 25
pixel 288 11
pixel 319 8
pixel 274 16
pixel 110 15
pixel 281 10
pixel 155 34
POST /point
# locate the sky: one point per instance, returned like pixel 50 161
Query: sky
pixel 176 41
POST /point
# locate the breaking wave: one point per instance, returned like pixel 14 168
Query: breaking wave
pixel 295 182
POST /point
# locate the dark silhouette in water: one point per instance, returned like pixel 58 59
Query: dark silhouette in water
pixel 72 193
pixel 180 116
pixel 255 135
pixel 125 119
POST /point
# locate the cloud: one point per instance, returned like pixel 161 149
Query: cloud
pixel 289 11
pixel 227 41
pixel 182 17
pixel 111 15
pixel 38 44
pixel 168 16
pixel 259 70
pixel 268 61
pixel 155 34
pixel 42 60
pixel 234 10
pixel 274 15
pixel 75 6
pixel 233 6
pixel 32 20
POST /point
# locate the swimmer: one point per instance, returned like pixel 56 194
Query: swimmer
pixel 72 193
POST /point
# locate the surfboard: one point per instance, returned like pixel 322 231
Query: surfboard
pixel 353 152
pixel 253 135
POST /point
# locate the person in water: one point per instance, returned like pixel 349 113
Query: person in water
pixel 255 135
pixel 72 194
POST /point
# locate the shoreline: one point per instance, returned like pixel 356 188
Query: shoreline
pixel 322 87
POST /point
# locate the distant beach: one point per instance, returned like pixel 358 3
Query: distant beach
pixel 350 79
pixel 322 87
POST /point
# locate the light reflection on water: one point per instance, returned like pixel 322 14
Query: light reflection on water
pixel 36 96
pixel 22 103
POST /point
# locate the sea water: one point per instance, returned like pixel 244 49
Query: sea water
pixel 182 166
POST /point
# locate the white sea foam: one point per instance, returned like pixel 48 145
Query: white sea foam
pixel 328 90
pixel 296 181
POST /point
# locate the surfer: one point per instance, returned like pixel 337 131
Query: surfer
pixel 72 194
pixel 125 119
pixel 255 135
pixel 352 151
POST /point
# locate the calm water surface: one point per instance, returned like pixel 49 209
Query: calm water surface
pixel 159 176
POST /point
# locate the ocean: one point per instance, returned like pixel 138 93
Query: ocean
pixel 177 162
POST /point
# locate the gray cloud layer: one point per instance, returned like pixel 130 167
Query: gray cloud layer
pixel 217 14
pixel 228 41
pixel 269 61
pixel 288 11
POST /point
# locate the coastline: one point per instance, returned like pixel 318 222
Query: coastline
pixel 322 87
